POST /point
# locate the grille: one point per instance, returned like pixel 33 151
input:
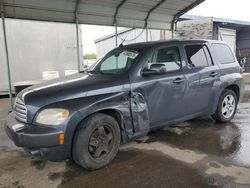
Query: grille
pixel 20 110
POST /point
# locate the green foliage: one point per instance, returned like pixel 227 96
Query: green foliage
pixel 89 56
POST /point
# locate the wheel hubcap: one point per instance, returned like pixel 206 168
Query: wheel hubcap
pixel 100 142
pixel 228 106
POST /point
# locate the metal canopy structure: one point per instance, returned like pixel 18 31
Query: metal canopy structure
pixel 153 14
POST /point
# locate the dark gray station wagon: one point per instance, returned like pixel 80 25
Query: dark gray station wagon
pixel 130 91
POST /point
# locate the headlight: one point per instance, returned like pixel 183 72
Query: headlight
pixel 52 116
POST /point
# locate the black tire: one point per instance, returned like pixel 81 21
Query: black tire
pixel 221 117
pixel 93 146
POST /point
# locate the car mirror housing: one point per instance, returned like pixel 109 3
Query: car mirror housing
pixel 155 69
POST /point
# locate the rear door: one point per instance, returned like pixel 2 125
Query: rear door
pixel 201 66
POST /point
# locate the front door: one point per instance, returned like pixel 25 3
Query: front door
pixel 163 94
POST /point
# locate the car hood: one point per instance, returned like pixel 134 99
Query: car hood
pixel 70 87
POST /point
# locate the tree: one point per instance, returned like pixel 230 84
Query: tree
pixel 89 56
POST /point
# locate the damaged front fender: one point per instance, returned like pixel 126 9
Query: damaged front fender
pixel 131 107
pixel 140 114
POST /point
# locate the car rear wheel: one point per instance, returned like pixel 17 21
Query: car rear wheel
pixel 96 142
pixel 227 106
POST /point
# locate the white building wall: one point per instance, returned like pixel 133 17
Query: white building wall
pixel 136 35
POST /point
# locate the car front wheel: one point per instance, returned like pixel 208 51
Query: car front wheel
pixel 227 106
pixel 96 142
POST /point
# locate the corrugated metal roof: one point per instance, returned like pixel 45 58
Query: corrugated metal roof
pixel 155 14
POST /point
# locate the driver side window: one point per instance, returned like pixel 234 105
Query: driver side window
pixel 168 57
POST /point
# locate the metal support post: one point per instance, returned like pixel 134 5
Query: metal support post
pixel 7 54
pixel 78 44
pixel 172 29
pixel 116 36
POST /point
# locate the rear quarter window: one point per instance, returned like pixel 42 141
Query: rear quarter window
pixel 223 53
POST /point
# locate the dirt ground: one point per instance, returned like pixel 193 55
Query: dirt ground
pixel 196 154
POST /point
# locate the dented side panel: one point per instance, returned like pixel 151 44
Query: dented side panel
pixel 131 106
pixel 120 102
pixel 162 97
pixel 140 114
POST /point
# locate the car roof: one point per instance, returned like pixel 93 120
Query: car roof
pixel 144 45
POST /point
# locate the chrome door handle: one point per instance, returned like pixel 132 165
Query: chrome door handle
pixel 213 74
pixel 178 80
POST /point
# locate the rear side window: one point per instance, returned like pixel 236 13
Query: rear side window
pixel 223 53
pixel 197 56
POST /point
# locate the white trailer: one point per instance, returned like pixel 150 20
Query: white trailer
pixel 36 47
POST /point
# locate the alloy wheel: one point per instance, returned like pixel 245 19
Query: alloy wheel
pixel 228 106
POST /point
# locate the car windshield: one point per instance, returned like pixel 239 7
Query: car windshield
pixel 117 61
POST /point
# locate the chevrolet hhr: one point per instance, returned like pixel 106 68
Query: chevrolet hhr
pixel 132 90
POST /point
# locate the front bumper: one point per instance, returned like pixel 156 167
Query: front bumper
pixel 37 140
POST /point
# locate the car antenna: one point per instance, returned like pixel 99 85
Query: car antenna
pixel 121 45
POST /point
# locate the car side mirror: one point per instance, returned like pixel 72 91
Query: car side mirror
pixel 155 69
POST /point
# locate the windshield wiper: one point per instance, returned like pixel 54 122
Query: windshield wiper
pixel 92 71
pixel 89 71
pixel 82 71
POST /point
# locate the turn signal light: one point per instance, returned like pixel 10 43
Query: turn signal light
pixel 61 138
